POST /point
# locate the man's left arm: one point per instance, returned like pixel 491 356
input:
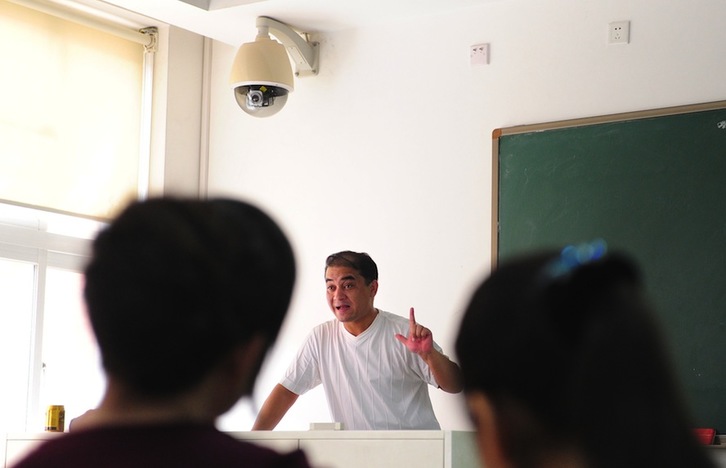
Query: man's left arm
pixel 421 341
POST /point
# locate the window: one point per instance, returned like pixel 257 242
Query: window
pixel 16 303
pixel 47 351
pixel 74 138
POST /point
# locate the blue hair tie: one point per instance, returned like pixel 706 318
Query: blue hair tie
pixel 574 256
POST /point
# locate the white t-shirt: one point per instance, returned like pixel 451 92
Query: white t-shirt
pixel 371 381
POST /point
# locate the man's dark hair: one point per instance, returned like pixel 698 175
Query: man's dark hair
pixel 359 261
pixel 175 284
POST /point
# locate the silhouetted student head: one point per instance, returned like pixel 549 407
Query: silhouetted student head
pixel 174 285
pixel 564 365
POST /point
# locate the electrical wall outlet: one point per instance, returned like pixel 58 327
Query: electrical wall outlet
pixel 619 32
pixel 479 54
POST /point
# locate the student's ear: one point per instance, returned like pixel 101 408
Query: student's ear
pixel 245 362
pixel 488 436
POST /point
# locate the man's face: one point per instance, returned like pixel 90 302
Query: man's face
pixel 349 297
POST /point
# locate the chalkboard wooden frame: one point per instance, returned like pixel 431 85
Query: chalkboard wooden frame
pixel 702 386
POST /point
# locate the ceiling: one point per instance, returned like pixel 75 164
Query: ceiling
pixel 233 21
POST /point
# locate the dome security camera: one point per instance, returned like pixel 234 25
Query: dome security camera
pixel 261 100
pixel 261 74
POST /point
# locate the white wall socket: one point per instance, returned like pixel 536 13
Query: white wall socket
pixel 479 54
pixel 619 32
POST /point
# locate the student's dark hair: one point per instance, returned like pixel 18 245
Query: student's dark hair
pixel 174 284
pixel 359 261
pixel 575 359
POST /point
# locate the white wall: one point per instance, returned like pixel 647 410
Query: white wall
pixel 178 115
pixel 388 150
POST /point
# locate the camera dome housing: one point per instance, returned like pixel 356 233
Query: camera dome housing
pixel 261 77
pixel 261 74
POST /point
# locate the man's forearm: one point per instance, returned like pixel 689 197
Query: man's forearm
pixel 274 408
pixel 445 371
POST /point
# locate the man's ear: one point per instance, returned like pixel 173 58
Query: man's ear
pixel 488 436
pixel 374 287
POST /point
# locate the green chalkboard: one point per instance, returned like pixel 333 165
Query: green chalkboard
pixel 650 183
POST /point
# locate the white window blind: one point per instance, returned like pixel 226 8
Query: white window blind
pixel 71 113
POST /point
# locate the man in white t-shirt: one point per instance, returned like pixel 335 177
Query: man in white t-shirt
pixel 375 366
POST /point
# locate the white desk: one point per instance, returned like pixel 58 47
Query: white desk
pixel 334 449
pixel 347 449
